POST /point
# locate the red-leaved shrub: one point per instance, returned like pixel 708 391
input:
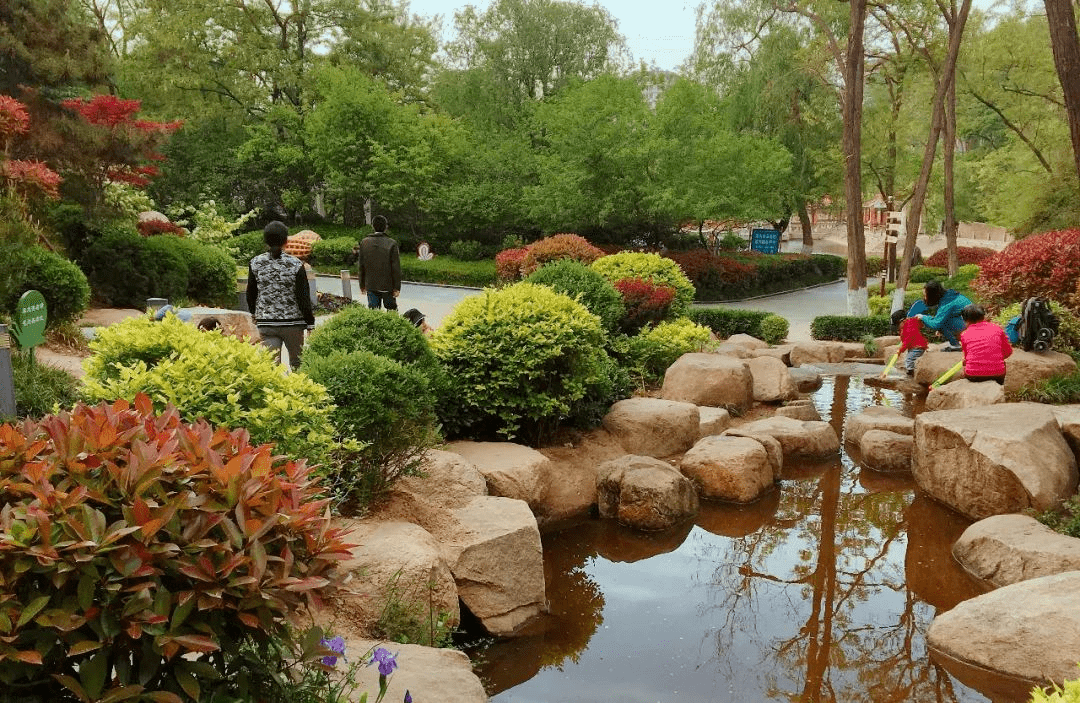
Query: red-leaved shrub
pixel 508 263
pixel 559 246
pixel 149 228
pixel 1045 264
pixel 140 551
pixel 966 255
pixel 710 272
pixel 645 303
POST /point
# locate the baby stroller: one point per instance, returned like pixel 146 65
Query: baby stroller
pixel 1037 325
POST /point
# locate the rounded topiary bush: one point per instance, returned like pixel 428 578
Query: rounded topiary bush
pixel 207 375
pixel 357 328
pixel 211 271
pixel 124 269
pixel 556 247
pixel 60 281
pixel 652 268
pixel 388 406
pixel 334 252
pixel 588 287
pixel 519 360
pixel 153 555
pixel 774 329
pixel 244 247
pixel 1046 265
pixel 965 255
pixel 657 348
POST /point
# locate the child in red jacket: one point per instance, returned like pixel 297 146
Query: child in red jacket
pixel 986 347
pixel 912 340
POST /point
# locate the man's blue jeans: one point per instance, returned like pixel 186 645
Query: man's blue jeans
pixel 385 298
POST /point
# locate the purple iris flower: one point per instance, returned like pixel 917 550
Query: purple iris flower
pixel 408 696
pixel 335 645
pixel 387 661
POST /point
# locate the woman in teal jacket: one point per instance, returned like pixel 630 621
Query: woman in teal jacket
pixel 947 319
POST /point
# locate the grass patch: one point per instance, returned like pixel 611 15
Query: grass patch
pixel 1056 390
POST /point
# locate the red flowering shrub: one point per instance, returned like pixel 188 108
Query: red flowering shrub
pixel 148 228
pixel 711 272
pixel 32 178
pixel 13 117
pixel 645 303
pixel 508 263
pixel 1045 264
pixel 966 255
pixel 140 551
pixel 559 246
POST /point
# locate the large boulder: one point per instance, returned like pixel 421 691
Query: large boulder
pixel 1068 417
pixel 800 409
pixel 817 353
pixel 427 673
pixel 729 468
pixel 877 417
pixel 1006 549
pixel 1029 630
pixel 933 364
pixel 395 560
pixel 806 380
pixel 644 493
pixel 798 438
pixel 771 444
pixel 653 426
pixel 747 342
pixel 1025 368
pixel 965 394
pixel 713 421
pixel 497 562
pixel 993 459
pixel 709 379
pixel 882 450
pixel 772 380
pixel 447 479
pixel 511 470
pixel 234 323
pixel 780 351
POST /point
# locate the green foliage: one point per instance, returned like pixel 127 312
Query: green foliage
pixel 519 360
pixel 124 269
pixel 882 304
pixel 388 406
pixel 224 380
pixel 334 252
pixel 732 242
pixel 149 552
pixel 358 328
pixel 657 348
pixel 448 270
pixel 211 272
pixel 1064 519
pixel 408 617
pixel 588 287
pixel 652 268
pixel 875 265
pixel 774 329
pixel 469 250
pixel 1056 390
pixel 922 274
pixel 245 247
pixel 208 225
pixel 847 328
pixel 39 388
pixel 725 322
pixel 125 201
pixel 64 286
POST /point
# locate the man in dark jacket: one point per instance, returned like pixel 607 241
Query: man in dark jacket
pixel 380 267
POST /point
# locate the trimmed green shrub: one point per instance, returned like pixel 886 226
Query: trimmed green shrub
pixel 657 348
pixel 228 382
pixel 519 360
pixel 211 272
pixel 874 265
pixel 124 269
pixel 652 268
pixel 388 406
pixel 39 388
pixel 151 554
pixel 849 328
pixel 922 274
pixel 60 281
pixel 247 246
pixel 469 250
pixel 588 287
pixel 725 322
pixel 774 329
pixel 334 252
pixel 882 304
pixel 358 328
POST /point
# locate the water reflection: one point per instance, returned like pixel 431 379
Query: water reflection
pixel 820 591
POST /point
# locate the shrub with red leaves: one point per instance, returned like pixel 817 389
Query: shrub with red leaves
pixel 139 551
pixel 1045 265
pixel 32 178
pixel 559 246
pixel 13 117
pixel 148 228
pixel 645 302
pixel 966 255
pixel 711 272
pixel 508 263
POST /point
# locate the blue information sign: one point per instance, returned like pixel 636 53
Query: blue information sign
pixel 767 241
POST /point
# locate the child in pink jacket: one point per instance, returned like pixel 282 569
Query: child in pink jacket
pixel 985 347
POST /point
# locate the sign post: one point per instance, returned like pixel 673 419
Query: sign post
pixel 7 378
pixel 767 241
pixel 28 327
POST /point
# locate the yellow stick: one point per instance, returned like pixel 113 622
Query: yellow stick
pixel 888 366
pixel 947 375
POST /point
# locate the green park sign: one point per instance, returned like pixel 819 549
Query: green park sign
pixel 28 327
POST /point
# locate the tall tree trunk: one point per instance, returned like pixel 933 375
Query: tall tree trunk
pixel 950 192
pixel 1066 46
pixel 807 226
pixel 853 97
pixel 918 197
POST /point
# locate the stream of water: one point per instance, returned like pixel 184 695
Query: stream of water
pixel 821 591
